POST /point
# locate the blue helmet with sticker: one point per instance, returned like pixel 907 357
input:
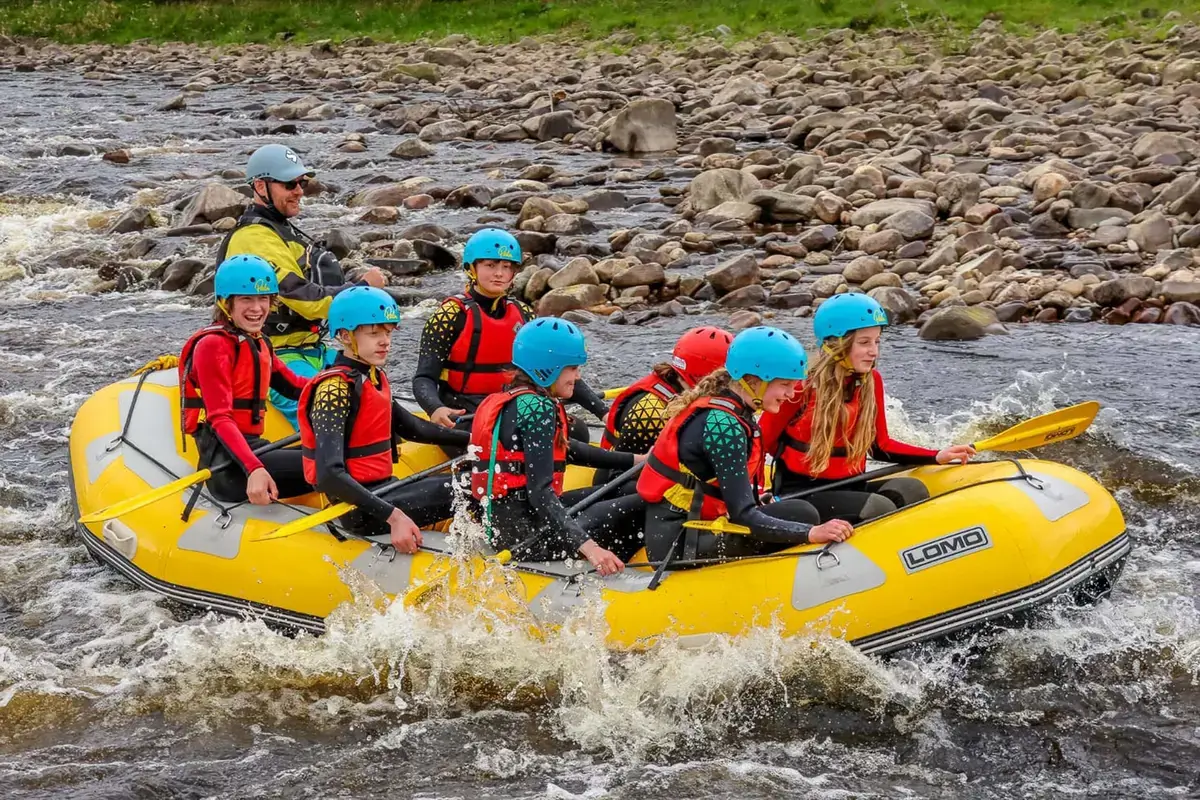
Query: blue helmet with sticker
pixel 245 275
pixel 491 243
pixel 362 305
pixel 768 354
pixel 844 313
pixel 545 347
pixel 277 163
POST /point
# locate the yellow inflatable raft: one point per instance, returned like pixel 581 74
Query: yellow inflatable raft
pixel 995 540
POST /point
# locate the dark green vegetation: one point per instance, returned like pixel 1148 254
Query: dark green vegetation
pixel 235 21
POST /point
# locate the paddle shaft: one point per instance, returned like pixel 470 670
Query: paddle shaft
pixel 874 474
pixel 604 490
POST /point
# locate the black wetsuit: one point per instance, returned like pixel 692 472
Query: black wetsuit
pixel 442 330
pixel 536 512
pixel 427 501
pixel 713 444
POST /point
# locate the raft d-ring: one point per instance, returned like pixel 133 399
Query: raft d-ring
pixel 1035 482
pixel 224 520
pixel 113 445
pixel 836 561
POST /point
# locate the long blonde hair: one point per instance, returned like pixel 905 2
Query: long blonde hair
pixel 713 383
pixel 826 387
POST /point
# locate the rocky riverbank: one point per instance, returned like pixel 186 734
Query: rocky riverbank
pixel 1049 178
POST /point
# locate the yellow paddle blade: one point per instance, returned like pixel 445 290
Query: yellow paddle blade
pixel 304 523
pixel 1057 426
pixel 718 525
pixel 609 394
pixel 141 501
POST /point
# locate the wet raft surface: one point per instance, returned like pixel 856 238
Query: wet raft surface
pixel 108 692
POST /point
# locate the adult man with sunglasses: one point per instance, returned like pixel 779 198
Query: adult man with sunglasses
pixel 309 275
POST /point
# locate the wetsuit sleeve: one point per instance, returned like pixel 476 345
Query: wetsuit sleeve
pixel 587 397
pixel 726 450
pixel 441 330
pixel 592 456
pixel 284 381
pixel 536 422
pixel 773 425
pixel 212 364
pixel 414 429
pixel 309 300
pixel 329 414
pixel 888 449
pixel 640 422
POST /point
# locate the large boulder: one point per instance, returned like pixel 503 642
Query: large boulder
pixel 1182 314
pixel 644 126
pixel 577 272
pixel 900 305
pixel 137 218
pixel 215 201
pixel 862 268
pixel 909 223
pixel 642 275
pixel 879 210
pixel 731 211
pixel 1176 291
pixel 710 189
pixel 557 302
pixel 745 297
pixel 961 323
pixel 1119 290
pixel 411 148
pixel 557 124
pixel 782 206
pixel 1151 234
pixel 181 273
pixel 1162 143
pixel 388 194
pixel 444 131
pixel 739 271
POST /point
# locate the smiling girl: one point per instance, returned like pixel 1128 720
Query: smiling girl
pixel 837 420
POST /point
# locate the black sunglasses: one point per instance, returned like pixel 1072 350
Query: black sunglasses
pixel 291 185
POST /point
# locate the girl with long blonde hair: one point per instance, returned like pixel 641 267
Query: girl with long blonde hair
pixel 838 420
pixel 708 462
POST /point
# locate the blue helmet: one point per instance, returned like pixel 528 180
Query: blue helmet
pixel 843 313
pixel 491 243
pixel 277 163
pixel 362 305
pixel 545 347
pixel 768 354
pixel 245 275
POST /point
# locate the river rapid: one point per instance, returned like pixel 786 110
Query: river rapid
pixel 110 692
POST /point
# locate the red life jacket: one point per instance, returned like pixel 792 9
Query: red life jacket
pixel 664 478
pixel 251 380
pixel 370 446
pixel 510 464
pixel 794 441
pixel 481 358
pixel 653 384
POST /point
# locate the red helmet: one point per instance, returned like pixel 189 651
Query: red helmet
pixel 699 352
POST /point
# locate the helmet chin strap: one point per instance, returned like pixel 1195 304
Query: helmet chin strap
pixel 844 363
pixel 755 394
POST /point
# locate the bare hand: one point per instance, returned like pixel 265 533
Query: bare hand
pixel 375 277
pixel 640 458
pixel 406 536
pixel 961 453
pixel 445 416
pixel 836 530
pixel 605 561
pixel 260 487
